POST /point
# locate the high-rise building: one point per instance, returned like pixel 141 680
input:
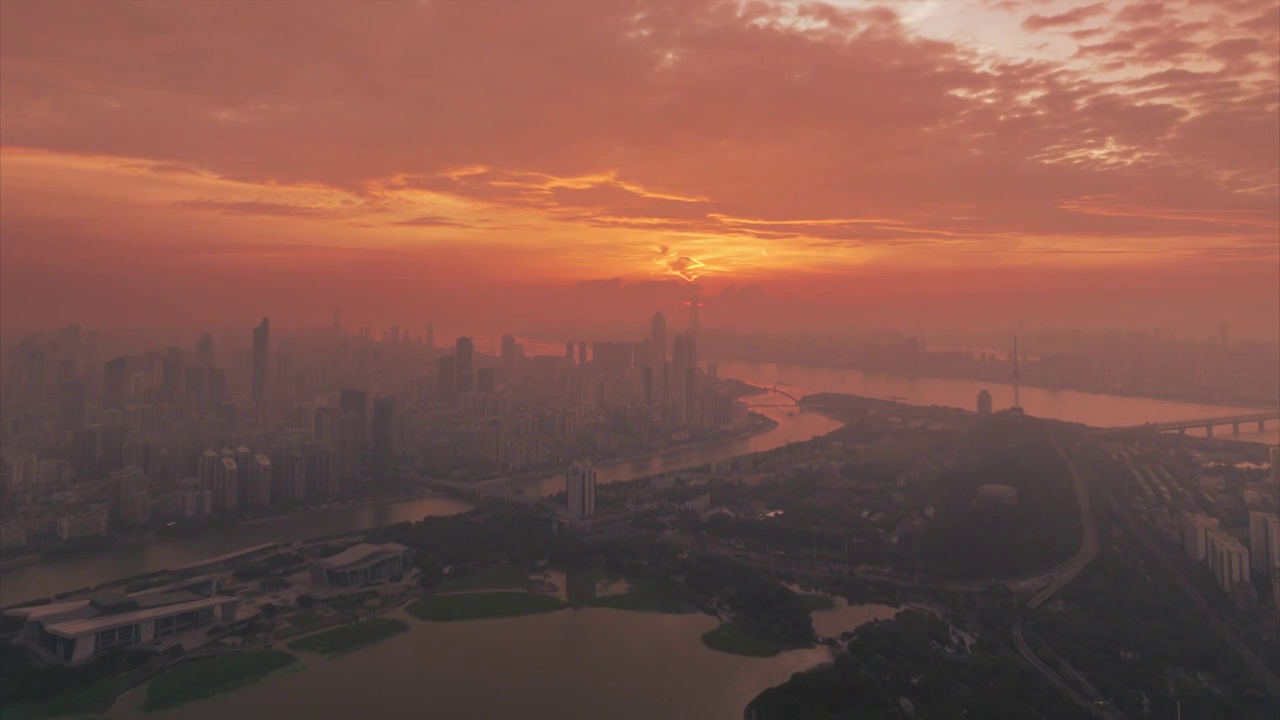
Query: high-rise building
pixel 206 469
pixel 582 353
pixel 611 357
pixel 430 337
pixel 115 383
pixel 204 351
pixel 173 368
pixel 486 380
pixel 568 352
pixel 261 343
pixel 1195 534
pixel 448 379
pixel 509 350
pixel 259 494
pixel 984 402
pixel 383 450
pixel 463 351
pixel 1275 465
pixel 580 488
pixel 226 484
pixel 71 398
pixel 648 386
pixel 1264 542
pixel 356 402
pixel 658 336
pixel 1228 559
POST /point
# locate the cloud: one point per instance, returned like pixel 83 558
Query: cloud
pixel 1074 16
pixel 591 131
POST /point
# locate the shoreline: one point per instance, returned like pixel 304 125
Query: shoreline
pixel 1167 397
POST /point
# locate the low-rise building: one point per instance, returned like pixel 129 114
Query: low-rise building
pixel 360 564
pixel 76 631
pixel 83 522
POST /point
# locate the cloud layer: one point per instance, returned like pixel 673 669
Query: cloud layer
pixel 759 138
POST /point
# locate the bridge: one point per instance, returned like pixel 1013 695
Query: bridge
pixel 1235 421
pixel 795 401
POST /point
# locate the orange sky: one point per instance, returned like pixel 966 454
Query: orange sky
pixel 222 160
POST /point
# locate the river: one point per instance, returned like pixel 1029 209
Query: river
pixel 43 579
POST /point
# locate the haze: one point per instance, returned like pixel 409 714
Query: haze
pixel 539 165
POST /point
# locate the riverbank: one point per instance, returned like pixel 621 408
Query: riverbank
pixel 1025 382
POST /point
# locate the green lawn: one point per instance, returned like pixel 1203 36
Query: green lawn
pixel 644 598
pixel 90 700
pixel 483 606
pixel 729 639
pixel 494 577
pixel 349 637
pixel 199 679
pixel 815 602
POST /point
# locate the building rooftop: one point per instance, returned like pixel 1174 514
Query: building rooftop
pixel 112 609
pixel 360 554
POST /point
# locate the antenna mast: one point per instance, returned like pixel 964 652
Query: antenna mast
pixel 1017 375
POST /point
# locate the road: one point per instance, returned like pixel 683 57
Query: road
pixel 1091 700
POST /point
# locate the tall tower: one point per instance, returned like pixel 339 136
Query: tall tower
pixel 1017 376
pixel 261 339
pixel 658 334
pixel 580 489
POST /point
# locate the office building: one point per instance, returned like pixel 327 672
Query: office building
pixel 582 353
pixel 261 343
pixel 204 351
pixel 580 488
pixel 984 402
pixel 464 349
pixel 447 379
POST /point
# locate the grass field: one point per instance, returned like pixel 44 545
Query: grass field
pixel 349 637
pixel 483 606
pixel 199 679
pixel 644 598
pixel 91 700
pixel 729 639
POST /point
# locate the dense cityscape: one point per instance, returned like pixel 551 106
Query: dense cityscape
pixel 640 359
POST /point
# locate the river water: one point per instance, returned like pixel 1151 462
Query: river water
pixel 44 579
pixel 588 664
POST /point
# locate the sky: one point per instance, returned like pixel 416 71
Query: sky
pixel 525 163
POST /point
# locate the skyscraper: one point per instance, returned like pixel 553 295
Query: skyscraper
pixel 383 450
pixel 658 336
pixel 447 379
pixel 486 380
pixel 204 351
pixel 463 351
pixel 115 383
pixel 356 402
pixel 71 397
pixel 580 487
pixel 261 340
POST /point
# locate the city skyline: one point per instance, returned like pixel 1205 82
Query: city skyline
pixel 1101 164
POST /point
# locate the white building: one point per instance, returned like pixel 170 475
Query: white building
pixel 259 491
pixel 1228 559
pixel 360 564
pixel 580 486
pixel 1264 541
pixel 76 631
pixel 1195 534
